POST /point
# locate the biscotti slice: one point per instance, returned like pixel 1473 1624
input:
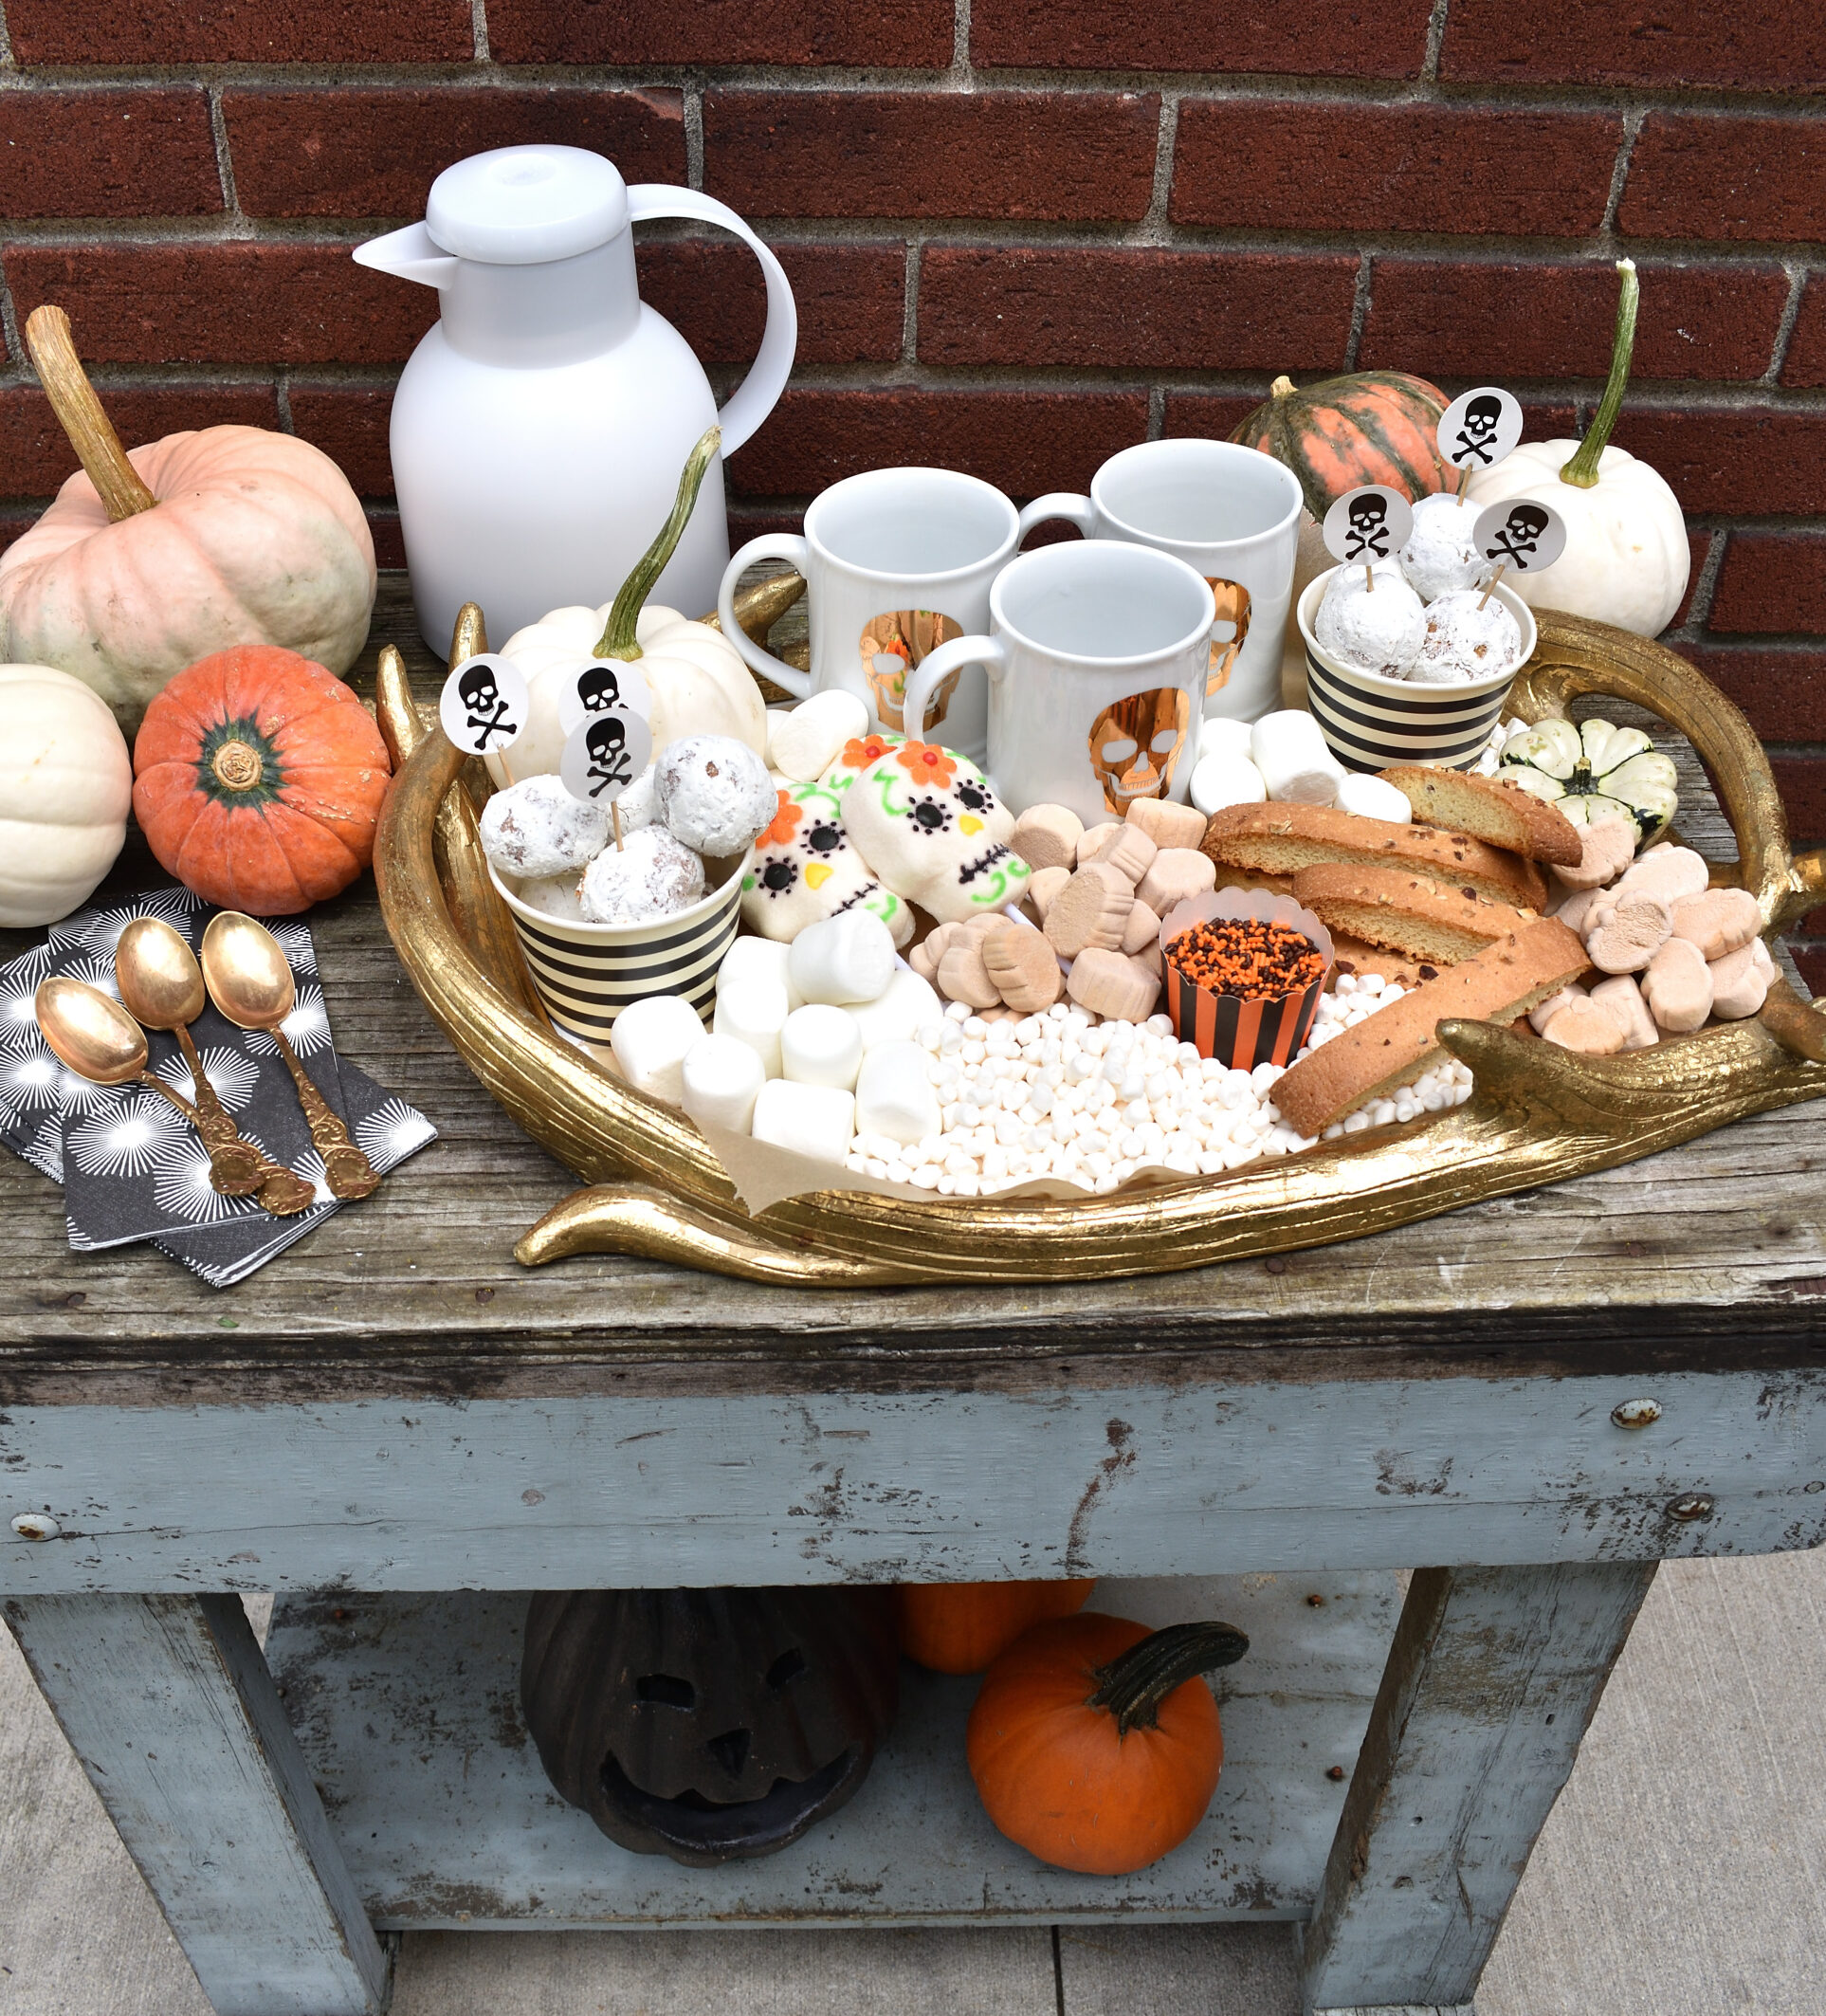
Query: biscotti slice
pixel 1488 808
pixel 1391 907
pixel 1283 839
pixel 1395 1045
pixel 1358 956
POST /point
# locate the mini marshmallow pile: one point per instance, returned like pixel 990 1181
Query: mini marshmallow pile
pixel 1422 617
pixel 1676 950
pixel 1284 759
pixel 703 795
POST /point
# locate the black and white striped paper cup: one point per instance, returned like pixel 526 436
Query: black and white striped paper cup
pixel 1370 722
pixel 588 972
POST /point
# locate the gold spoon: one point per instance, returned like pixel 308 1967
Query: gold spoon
pixel 162 985
pixel 102 1042
pixel 250 980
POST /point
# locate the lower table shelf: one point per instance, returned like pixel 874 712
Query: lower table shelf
pixel 408 1709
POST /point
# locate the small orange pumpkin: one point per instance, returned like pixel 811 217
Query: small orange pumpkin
pixel 1371 426
pixel 961 1626
pixel 1095 1745
pixel 258 779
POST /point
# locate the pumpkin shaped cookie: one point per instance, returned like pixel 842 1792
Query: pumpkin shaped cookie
pixel 806 870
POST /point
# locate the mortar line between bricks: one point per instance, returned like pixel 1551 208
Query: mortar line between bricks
pixel 960 65
pixel 1428 78
pixel 694 138
pixel 1157 399
pixel 283 396
pixel 223 158
pixel 1154 226
pixel 5 41
pixel 1620 172
pixel 1359 308
pixel 478 30
pixel 1798 276
pixel 910 304
pixel 1699 610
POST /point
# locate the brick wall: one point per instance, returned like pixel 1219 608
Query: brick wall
pixel 1022 235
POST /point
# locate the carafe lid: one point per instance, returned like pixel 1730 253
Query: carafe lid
pixel 523 206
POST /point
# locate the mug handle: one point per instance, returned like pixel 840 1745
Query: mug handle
pixel 989 653
pixel 785 546
pixel 1068 504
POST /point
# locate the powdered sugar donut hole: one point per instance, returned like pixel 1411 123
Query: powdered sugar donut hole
pixel 1464 642
pixel 714 793
pixel 650 875
pixel 1376 626
pixel 1441 553
pixel 537 829
pixel 557 895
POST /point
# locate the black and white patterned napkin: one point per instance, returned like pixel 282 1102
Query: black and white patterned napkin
pixel 132 1165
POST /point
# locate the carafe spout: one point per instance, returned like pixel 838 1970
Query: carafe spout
pixel 410 254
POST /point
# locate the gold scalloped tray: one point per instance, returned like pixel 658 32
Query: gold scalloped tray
pixel 1536 1114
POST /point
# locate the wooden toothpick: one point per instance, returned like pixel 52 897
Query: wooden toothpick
pixel 615 814
pixel 1492 589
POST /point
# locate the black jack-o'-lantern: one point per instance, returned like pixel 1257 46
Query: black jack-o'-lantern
pixel 709 1724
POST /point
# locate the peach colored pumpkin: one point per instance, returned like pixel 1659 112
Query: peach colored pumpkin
pixel 151 560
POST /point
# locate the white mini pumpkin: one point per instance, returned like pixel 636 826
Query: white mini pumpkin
pixel 66 789
pixel 698 683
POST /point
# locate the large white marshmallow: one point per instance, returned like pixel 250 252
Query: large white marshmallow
pixel 753 1013
pixel 846 957
pixel 814 1119
pixel 893 1095
pixel 1220 736
pixel 907 1006
pixel 1223 779
pixel 651 1039
pixel 805 741
pixel 756 962
pixel 1288 748
pixel 821 1045
pixel 1371 797
pixel 722 1079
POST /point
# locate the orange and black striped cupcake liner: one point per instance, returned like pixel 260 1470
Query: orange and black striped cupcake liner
pixel 1238 1033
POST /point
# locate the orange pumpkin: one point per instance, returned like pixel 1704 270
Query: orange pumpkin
pixel 961 1626
pixel 1095 1745
pixel 258 778
pixel 1372 427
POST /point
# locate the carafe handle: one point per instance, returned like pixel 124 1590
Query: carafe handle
pixel 756 396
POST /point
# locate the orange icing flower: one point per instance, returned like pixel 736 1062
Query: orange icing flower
pixel 863 750
pixel 785 821
pixel 927 763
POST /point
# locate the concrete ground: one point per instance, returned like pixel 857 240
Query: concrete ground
pixel 1682 1874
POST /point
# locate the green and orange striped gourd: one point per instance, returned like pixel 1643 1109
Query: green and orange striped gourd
pixel 1371 426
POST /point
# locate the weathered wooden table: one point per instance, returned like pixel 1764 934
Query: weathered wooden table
pixel 397 1430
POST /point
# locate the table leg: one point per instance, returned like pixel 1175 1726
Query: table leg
pixel 1491 1682
pixel 169 1705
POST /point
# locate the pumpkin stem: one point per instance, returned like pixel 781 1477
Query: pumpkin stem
pixel 79 412
pixel 618 639
pixel 1135 1683
pixel 1282 387
pixel 1583 469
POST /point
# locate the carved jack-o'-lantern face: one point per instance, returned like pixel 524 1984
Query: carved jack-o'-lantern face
pixel 891 646
pixel 1227 633
pixel 1136 743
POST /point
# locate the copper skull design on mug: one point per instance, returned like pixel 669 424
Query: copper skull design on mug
pixel 892 645
pixel 1136 743
pixel 1232 617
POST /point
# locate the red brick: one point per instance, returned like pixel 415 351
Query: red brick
pixel 1806 359
pixel 1772 581
pixel 1784 692
pixel 1739 459
pixel 891 34
pixel 1024 442
pixel 1698 546
pixel 12 524
pixel 1699 175
pixel 1211 415
pixel 1306 165
pixel 108 154
pixel 1507 320
pixel 1757 45
pixel 35 455
pixel 748 521
pixel 1811 962
pixel 374 153
pixel 231 302
pixel 851 297
pixel 1091 306
pixel 1802 783
pixel 390 541
pixel 1814 922
pixel 105 31
pixel 1359 40
pixel 871 154
pixel 349 423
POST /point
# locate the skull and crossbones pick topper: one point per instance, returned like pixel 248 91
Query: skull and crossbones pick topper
pixel 603 755
pixel 1521 534
pixel 1479 428
pixel 1367 524
pixel 484 706
pixel 604 686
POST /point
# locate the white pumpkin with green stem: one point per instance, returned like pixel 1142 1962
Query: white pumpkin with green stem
pixel 698 683
pixel 1594 771
pixel 1627 557
pixel 66 789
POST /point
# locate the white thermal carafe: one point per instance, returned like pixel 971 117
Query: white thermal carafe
pixel 540 427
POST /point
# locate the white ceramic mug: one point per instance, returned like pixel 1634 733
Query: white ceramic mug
pixel 1097 661
pixel 1233 514
pixel 896 563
